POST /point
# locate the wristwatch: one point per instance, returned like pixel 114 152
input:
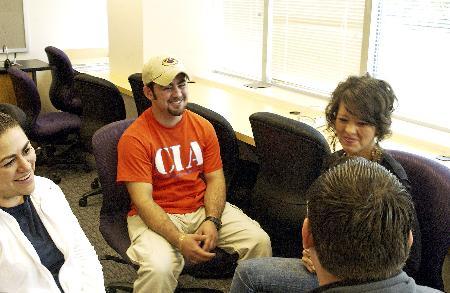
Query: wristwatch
pixel 217 222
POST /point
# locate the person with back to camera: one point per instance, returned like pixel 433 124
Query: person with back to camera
pixel 359 116
pixel 42 246
pixel 169 159
pixel 358 232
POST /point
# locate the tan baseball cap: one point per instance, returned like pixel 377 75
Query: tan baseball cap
pixel 162 70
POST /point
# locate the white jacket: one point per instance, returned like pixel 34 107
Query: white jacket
pixel 20 267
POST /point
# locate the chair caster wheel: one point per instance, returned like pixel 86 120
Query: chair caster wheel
pixel 82 202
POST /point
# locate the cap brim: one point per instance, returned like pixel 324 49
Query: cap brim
pixel 168 76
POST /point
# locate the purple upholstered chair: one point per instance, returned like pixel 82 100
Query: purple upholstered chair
pixel 61 89
pixel 116 202
pixel 141 101
pixel 45 128
pixel 430 183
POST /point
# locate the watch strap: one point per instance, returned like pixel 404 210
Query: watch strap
pixel 216 221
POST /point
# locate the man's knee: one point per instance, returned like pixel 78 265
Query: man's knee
pixel 161 265
pixel 160 275
pixel 247 276
pixel 157 268
pixel 259 245
pixel 264 243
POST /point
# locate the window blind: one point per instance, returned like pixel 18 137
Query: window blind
pixel 410 49
pixel 312 44
pixel 316 43
pixel 239 51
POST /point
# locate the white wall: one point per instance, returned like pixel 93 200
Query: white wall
pixel 66 24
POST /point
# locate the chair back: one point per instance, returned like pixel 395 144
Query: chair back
pixel 290 155
pixel 430 188
pixel 27 95
pixel 229 150
pixel 102 104
pixel 116 201
pixel 137 87
pixel 61 88
pixel 47 129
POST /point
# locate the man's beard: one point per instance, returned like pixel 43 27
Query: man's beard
pixel 180 111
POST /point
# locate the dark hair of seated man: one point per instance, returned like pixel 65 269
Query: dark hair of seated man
pixel 360 219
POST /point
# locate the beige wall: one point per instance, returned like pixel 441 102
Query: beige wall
pixel 125 37
pixel 146 28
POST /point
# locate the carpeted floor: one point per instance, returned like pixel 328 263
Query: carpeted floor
pixel 76 182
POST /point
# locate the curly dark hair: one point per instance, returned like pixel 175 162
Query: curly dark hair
pixel 370 99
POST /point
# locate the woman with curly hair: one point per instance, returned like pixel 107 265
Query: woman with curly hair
pixel 359 117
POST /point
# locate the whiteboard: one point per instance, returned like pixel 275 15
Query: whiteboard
pixel 13 26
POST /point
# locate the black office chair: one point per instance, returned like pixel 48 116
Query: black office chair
pixel 290 156
pixel 102 104
pixel 229 150
pixel 116 203
pixel 142 103
pixel 430 191
pixel 61 89
pixel 46 129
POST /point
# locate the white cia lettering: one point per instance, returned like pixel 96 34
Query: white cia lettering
pixel 174 152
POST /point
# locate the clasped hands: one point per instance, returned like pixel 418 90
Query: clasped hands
pixel 196 247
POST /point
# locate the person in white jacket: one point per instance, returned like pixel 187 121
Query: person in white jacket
pixel 42 246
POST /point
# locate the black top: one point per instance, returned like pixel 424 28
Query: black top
pixel 413 262
pixel 33 228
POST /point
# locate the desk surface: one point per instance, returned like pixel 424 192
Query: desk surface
pixel 31 65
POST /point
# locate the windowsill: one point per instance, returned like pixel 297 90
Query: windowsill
pixel 406 136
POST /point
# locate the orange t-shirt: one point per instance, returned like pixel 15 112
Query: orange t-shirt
pixel 171 159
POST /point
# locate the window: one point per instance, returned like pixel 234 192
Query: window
pixel 315 43
pixel 241 38
pixel 311 45
pixel 410 49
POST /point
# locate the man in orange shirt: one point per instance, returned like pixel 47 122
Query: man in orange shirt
pixel 169 159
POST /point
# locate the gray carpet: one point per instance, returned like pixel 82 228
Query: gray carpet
pixel 76 182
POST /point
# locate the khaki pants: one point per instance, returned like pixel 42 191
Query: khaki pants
pixel 160 263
